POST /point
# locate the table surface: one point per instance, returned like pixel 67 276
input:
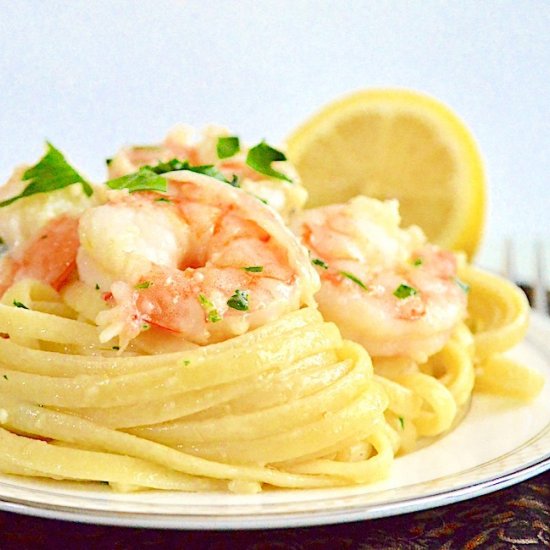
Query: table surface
pixel 516 517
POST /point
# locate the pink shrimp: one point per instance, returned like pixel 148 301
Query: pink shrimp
pixel 50 257
pixel 210 263
pixel 383 286
pixel 184 143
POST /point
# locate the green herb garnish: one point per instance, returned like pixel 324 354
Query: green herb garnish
pixel 108 161
pixel 186 362
pixel 353 278
pixel 464 286
pixel 254 268
pixel 418 262
pixel 402 422
pixel 212 314
pixel 227 146
pixel 261 200
pixel 19 304
pixel 116 348
pixel 145 327
pixel 52 172
pixel 239 300
pixel 96 286
pixel 404 291
pixel 144 285
pixel 261 156
pixel 320 263
pixel 175 165
pixel 5 376
pixel 163 199
pixel 142 180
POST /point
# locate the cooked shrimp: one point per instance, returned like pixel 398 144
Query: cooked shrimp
pixel 40 233
pixel 210 263
pixel 184 143
pixel 383 286
pixel 50 257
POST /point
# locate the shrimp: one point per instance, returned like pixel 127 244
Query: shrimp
pixel 40 233
pixel 184 143
pixel 207 261
pixel 50 257
pixel 384 286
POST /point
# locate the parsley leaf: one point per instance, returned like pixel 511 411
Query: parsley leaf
pixel 320 263
pixel 212 314
pixel 254 268
pixel 261 156
pixel 404 291
pixel 52 172
pixel 353 278
pixel 464 286
pixel 417 262
pixel 19 304
pixel 144 285
pixel 227 146
pixel 175 165
pixel 239 300
pixel 402 422
pixel 142 180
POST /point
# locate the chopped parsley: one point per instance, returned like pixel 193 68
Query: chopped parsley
pixel 234 181
pixel 163 199
pixel 464 286
pixel 116 348
pixel 212 315
pixel 261 200
pixel 320 263
pixel 254 268
pixel 5 376
pixel 144 285
pixel 2 241
pixel 108 161
pixel 52 172
pixel 96 286
pixel 402 422
pixel 227 146
pixel 186 362
pixel 404 291
pixel 353 278
pixel 239 300
pixel 145 327
pixel 418 262
pixel 149 178
pixel 261 156
pixel 175 165
pixel 19 304
pixel 144 179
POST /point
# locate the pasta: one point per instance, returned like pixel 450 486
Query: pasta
pixel 125 361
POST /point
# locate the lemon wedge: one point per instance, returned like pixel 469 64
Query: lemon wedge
pixel 394 143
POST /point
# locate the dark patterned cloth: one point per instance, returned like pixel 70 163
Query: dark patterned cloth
pixel 517 517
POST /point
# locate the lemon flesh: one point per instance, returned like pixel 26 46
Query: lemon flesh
pixel 396 144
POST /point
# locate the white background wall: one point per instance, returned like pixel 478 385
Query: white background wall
pixel 90 75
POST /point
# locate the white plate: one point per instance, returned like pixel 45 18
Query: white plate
pixel 498 443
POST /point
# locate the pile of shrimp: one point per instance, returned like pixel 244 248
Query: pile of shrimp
pixel 200 148
pixel 207 261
